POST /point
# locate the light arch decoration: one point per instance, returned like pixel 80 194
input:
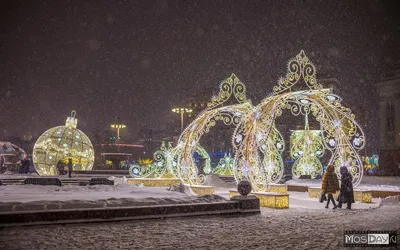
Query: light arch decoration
pixel 61 143
pixel 256 141
pixel 231 90
pixel 342 135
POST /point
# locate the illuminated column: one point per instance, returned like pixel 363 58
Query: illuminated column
pixel 182 111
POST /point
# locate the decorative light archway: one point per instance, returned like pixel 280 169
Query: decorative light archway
pixel 257 142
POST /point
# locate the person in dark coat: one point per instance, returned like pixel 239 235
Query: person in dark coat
pixel 69 167
pixel 346 188
pixel 330 185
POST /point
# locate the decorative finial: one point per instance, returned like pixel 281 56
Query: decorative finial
pixel 71 121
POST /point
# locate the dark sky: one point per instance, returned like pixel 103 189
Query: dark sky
pixel 136 59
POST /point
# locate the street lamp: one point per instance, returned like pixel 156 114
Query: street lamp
pixel 118 126
pixel 182 111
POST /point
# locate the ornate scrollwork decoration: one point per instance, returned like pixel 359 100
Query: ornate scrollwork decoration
pixel 164 164
pixel 230 87
pixel 255 139
pixel 297 68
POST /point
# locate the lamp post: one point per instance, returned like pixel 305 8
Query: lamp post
pixel 182 111
pixel 118 126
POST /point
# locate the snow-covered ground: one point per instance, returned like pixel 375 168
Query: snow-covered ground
pixel 27 193
pixel 286 229
pixel 302 200
pixel 384 183
pixel 35 197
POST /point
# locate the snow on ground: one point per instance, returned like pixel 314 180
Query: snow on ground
pixel 26 193
pixel 35 197
pixel 286 229
pixel 302 200
pixel 121 194
pixel 384 183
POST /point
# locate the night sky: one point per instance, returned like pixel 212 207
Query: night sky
pixel 136 59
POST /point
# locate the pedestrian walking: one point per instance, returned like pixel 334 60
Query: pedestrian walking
pixel 330 185
pixel 69 167
pixel 346 194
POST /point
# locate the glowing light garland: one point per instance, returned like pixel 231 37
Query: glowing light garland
pixel 164 164
pixel 256 141
pixel 59 144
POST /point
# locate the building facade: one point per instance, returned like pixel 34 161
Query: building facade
pixel 389 112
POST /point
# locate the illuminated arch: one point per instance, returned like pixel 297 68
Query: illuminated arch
pixel 257 143
pixel 59 144
pixel 342 134
pixel 231 88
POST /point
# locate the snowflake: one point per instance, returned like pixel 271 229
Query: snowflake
pixel 238 138
pixel 357 141
pixel 332 142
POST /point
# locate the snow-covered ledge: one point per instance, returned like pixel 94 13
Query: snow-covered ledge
pixel 154 182
pixel 201 190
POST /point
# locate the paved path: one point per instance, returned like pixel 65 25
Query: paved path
pixel 294 228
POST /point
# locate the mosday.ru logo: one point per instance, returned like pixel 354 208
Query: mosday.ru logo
pixel 378 239
pixel 375 238
pixel 356 239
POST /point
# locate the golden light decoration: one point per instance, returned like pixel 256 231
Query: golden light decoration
pixel 164 164
pixel 272 200
pixel 225 165
pixel 61 143
pixel 256 141
pixel 306 147
pixel 145 162
pixel 154 182
pixel 188 142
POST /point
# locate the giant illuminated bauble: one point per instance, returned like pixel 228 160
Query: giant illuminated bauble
pixel 61 143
